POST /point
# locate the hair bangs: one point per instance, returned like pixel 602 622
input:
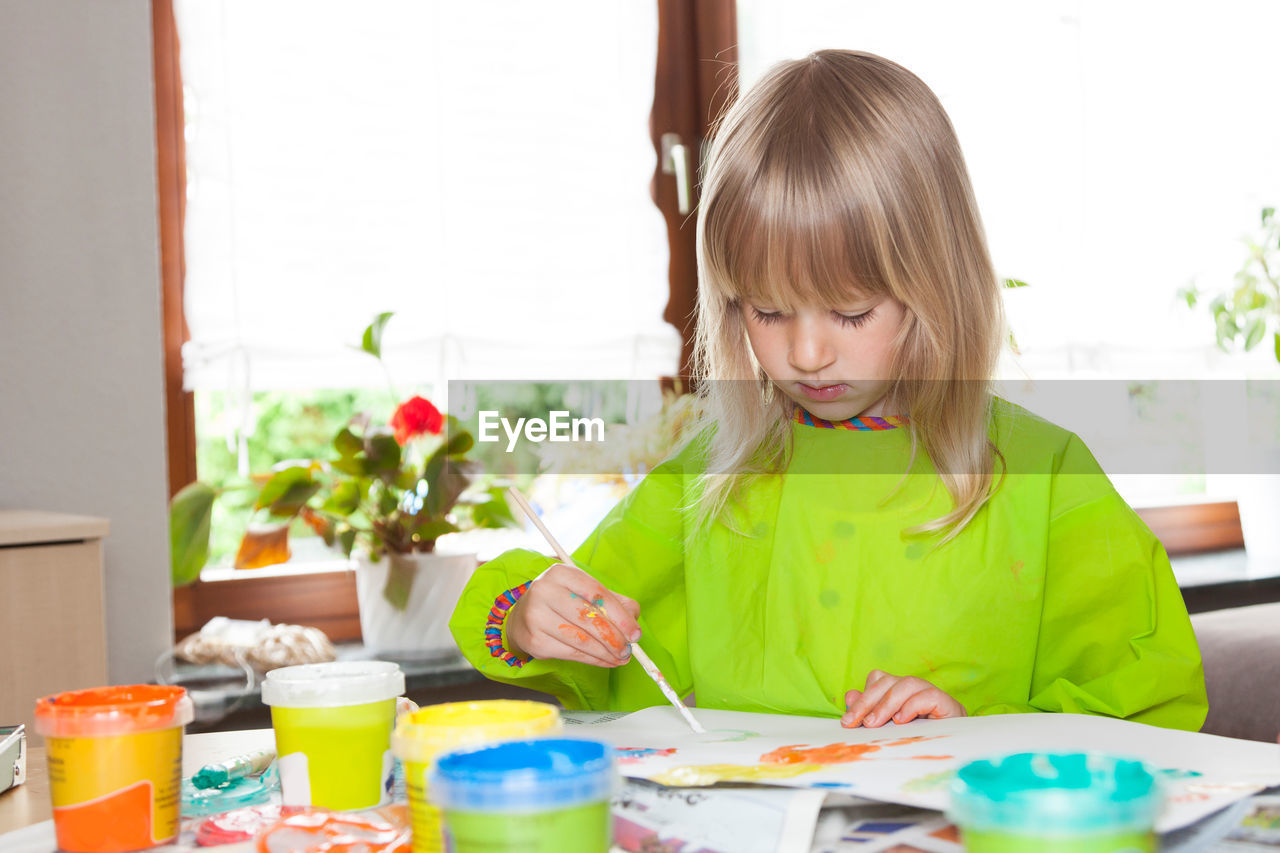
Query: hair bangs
pixel 796 233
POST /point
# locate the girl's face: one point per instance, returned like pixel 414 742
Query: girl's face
pixel 833 361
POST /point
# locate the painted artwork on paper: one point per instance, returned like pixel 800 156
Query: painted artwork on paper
pixel 913 764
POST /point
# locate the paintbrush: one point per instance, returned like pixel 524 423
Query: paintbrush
pixel 650 669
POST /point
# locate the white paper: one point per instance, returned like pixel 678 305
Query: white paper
pixel 714 820
pixel 913 764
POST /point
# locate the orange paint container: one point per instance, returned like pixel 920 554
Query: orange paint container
pixel 115 765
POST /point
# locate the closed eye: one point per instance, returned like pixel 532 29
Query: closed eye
pixel 855 320
pixel 766 316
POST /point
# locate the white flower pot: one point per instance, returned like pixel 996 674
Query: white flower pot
pixel 421 629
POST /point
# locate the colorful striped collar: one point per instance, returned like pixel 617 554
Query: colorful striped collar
pixel 861 424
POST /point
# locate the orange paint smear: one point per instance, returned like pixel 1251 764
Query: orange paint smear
pixel 835 753
pixel 604 630
pixel 903 741
pixel 573 632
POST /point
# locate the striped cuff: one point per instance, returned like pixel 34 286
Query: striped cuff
pixel 494 626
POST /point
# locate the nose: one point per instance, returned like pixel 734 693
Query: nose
pixel 810 350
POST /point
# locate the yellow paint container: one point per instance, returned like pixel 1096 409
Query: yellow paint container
pixel 115 765
pixel 422 735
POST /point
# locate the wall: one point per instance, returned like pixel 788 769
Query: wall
pixel 81 376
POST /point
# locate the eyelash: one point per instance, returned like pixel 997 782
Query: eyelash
pixel 855 321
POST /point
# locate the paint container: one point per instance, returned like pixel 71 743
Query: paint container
pixel 115 765
pixel 534 796
pixel 1056 803
pixel 333 731
pixel 421 736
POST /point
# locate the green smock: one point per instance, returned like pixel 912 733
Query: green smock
pixel 1055 596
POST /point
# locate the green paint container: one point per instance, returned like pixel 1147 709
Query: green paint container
pixel 333 731
pixel 534 796
pixel 1056 803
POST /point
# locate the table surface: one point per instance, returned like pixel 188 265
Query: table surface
pixel 29 802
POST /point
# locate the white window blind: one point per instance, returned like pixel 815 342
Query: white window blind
pixel 481 169
pixel 1118 151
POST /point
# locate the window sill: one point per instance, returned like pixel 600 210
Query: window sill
pixel 322 593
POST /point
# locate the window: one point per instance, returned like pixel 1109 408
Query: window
pixel 483 171
pixel 1117 154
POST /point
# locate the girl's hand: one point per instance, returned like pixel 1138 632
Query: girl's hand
pixel 899 698
pixel 567 615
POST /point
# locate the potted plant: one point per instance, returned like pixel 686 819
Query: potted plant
pixel 1245 316
pixel 383 497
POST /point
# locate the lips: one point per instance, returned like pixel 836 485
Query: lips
pixel 822 392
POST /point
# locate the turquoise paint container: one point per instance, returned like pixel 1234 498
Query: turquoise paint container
pixel 1074 802
pixel 535 796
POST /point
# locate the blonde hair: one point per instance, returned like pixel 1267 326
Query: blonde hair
pixel 841 174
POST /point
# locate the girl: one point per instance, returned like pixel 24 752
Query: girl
pixel 864 531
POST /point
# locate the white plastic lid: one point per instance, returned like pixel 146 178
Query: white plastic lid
pixel 332 685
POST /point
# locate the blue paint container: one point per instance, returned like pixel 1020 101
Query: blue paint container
pixel 1075 802
pixel 535 796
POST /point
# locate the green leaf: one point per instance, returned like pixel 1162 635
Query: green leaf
pixel 386 501
pixel 346 538
pixel 1227 328
pixel 446 480
pixel 190 514
pixel 1277 346
pixel 1267 213
pixel 1190 295
pixel 433 529
pixel 1253 334
pixel 287 491
pixel 347 443
pixel 400 576
pixel 494 512
pixel 371 342
pixel 353 465
pixel 344 499
pixel 1013 282
pixel 383 452
pixel 279 484
pixel 459 443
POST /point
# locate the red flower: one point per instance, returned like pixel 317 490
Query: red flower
pixel 414 417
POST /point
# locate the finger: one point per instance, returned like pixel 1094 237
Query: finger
pixel 556 649
pixel 891 701
pixel 849 699
pixel 587 629
pixel 931 703
pixel 541 637
pixel 875 675
pixel 623 617
pixel 628 604
pixel 621 611
pixel 864 703
pixel 606 616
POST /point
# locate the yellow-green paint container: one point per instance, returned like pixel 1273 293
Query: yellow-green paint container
pixel 333 724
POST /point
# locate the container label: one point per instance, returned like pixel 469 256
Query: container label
pixel 115 793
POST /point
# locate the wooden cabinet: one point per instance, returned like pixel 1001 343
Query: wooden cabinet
pixel 52 626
